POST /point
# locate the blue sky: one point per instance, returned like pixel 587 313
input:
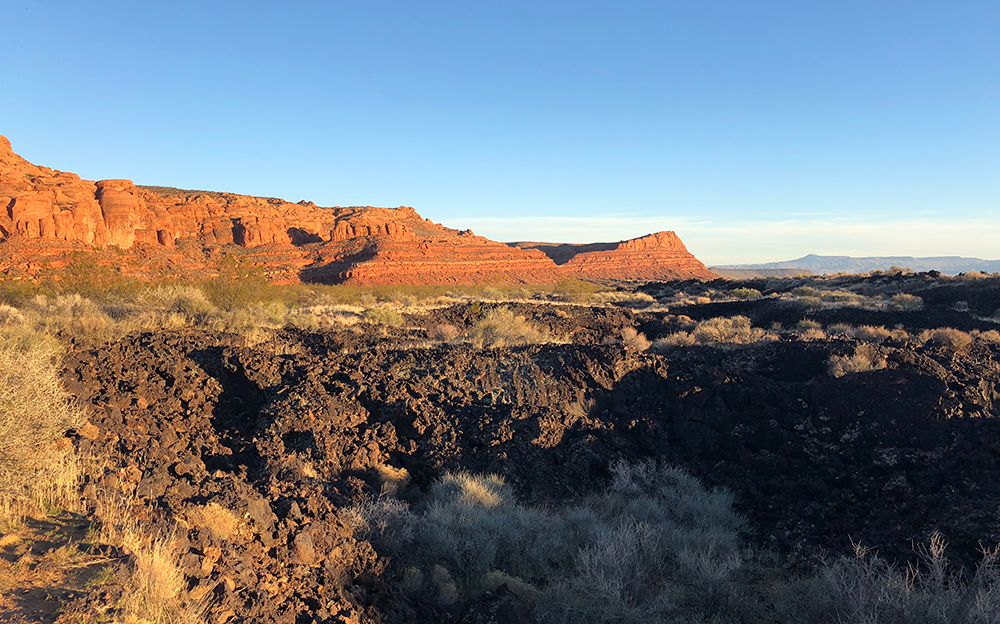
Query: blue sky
pixel 757 130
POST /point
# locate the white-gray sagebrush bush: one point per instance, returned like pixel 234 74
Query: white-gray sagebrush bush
pixel 867 589
pixel 655 546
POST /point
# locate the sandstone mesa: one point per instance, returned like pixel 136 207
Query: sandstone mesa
pixel 48 218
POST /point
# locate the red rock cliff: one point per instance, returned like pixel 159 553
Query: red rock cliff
pixel 45 215
pixel 656 257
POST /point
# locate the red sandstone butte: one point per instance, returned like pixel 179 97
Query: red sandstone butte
pixel 49 217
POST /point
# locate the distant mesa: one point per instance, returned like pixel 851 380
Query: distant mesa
pixel 949 265
pixel 743 274
pixel 48 218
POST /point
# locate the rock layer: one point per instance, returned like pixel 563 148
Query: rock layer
pixel 47 216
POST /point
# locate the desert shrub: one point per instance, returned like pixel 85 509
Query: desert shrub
pixel 972 276
pixel 655 545
pixel 905 302
pixel 624 298
pixel 443 333
pixel 383 316
pixel 575 290
pixel 678 339
pixel 10 315
pixel 735 330
pixel 865 358
pixel 842 297
pixel 991 336
pixel 239 284
pixel 35 411
pixel 807 324
pixel 808 329
pixel 500 327
pixel 947 338
pixel 67 314
pixel 631 338
pixel 805 291
pixel 187 300
pixel 868 589
pixel 839 329
pixel 745 294
pixel 869 333
pixel 810 302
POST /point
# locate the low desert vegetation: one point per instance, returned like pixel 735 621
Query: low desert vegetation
pixel 947 338
pixel 867 589
pixel 718 331
pixel 745 294
pixel 501 327
pixel 37 472
pixel 630 338
pixel 866 357
pixel 40 479
pixel 655 546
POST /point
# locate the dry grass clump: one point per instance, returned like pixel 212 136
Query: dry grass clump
pixel 673 341
pixel 990 336
pixel 154 587
pixel 446 332
pixel 35 412
pixel 630 338
pixel 947 338
pixel 500 327
pixel 67 314
pixel 735 330
pixel 715 331
pixel 223 522
pixel 807 329
pixel 867 589
pixel 383 316
pixel 866 358
pixel 623 298
pixel 905 302
pixel 869 333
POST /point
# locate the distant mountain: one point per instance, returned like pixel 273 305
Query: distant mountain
pixel 949 265
pixel 743 274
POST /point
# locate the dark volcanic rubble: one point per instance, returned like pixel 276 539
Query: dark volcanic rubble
pixel 290 433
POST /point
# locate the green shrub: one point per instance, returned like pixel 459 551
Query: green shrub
pixel 575 290
pixel 745 294
pixel 187 300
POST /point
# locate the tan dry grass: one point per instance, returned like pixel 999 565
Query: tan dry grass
pixel 154 586
pixel 36 472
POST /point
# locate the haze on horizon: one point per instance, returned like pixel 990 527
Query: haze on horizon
pixel 757 131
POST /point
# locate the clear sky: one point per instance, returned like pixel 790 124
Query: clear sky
pixel 758 130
